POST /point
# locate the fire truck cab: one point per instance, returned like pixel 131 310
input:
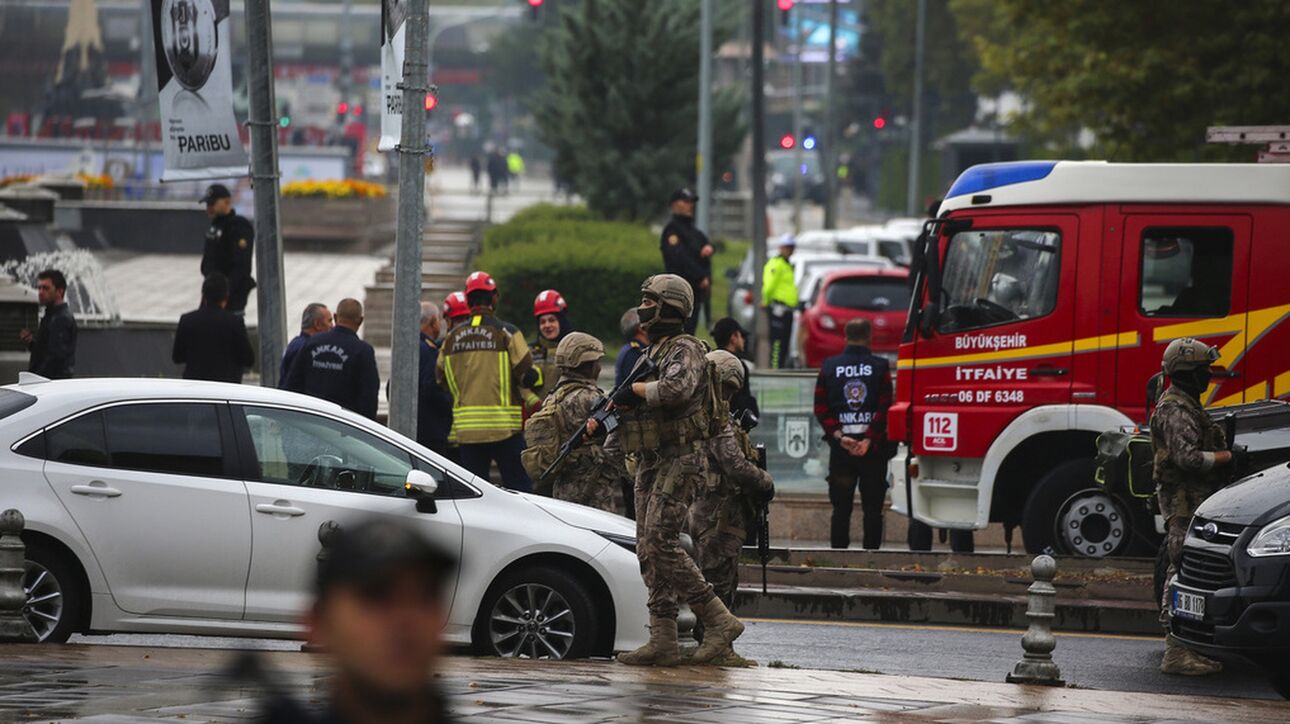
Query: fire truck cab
pixel 1045 294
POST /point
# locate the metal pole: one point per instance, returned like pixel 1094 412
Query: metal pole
pixel 404 337
pixel 830 155
pixel 758 175
pixel 704 161
pixel 916 125
pixel 264 180
pixel 797 120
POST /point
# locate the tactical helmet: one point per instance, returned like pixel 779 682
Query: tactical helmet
pixel 670 290
pixel 455 306
pixel 549 302
pixel 1187 354
pixel 480 282
pixel 729 369
pixel 577 348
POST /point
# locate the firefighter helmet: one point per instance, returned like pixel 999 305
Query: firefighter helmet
pixel 1187 354
pixel 480 282
pixel 455 306
pixel 577 348
pixel 549 302
pixel 729 369
pixel 672 291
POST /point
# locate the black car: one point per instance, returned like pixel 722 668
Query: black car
pixel 1231 597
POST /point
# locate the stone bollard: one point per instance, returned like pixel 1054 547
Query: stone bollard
pixel 326 538
pixel 1037 666
pixel 14 626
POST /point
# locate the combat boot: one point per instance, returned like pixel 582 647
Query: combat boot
pixel 662 648
pixel 720 629
pixel 1182 661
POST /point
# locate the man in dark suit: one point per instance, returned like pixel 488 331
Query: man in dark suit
pixel 338 366
pixel 211 341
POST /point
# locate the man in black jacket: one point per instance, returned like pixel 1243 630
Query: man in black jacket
pixel 338 366
pixel 733 338
pixel 53 346
pixel 229 243
pixel 687 252
pixel 211 341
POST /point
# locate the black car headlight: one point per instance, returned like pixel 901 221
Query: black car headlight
pixel 627 542
pixel 1272 540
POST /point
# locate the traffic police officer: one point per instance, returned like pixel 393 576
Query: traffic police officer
pixel 852 394
pixel 229 243
pixel 1191 461
pixel 687 252
pixel 338 366
pixel 779 299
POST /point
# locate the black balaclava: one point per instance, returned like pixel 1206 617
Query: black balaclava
pixel 661 321
pixel 1194 381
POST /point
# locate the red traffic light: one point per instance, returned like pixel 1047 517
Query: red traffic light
pixel 358 109
pixel 787 141
pixel 535 3
pixel 879 123
pixel 431 101
pixel 783 5
pixel 342 108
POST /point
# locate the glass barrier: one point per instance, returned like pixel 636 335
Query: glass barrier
pixel 796 455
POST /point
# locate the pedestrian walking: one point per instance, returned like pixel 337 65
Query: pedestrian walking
pixel 687 252
pixel 495 166
pixel 338 366
pixel 434 404
pixel 486 365
pixel 316 319
pixel 210 341
pixel 552 315
pixel 665 420
pixel 1191 462
pixel 514 168
pixel 731 337
pixel 725 507
pixel 852 394
pixel 476 170
pixel 590 475
pixel 53 346
pixel 634 343
pixel 229 244
pixel 455 309
pixel 779 300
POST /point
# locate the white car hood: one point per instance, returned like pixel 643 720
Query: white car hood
pixel 580 516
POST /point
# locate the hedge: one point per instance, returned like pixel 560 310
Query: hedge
pixel 551 212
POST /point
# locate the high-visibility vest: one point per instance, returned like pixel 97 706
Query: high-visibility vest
pixel 481 363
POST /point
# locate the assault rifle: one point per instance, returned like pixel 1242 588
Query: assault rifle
pixel 763 524
pixel 605 416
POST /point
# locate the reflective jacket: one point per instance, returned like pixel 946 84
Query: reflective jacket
pixel 482 363
pixel 777 284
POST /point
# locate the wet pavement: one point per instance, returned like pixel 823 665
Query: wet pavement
pixel 116 684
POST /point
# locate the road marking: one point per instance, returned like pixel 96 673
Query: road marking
pixel 962 629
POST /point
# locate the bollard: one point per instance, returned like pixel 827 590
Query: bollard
pixel 14 626
pixel 1037 666
pixel 327 533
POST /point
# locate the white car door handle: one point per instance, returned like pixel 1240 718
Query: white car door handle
pixel 96 488
pixel 279 509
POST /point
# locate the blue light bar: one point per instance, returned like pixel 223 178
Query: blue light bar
pixel 988 176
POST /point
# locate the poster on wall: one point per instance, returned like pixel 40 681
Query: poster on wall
pixel 195 90
pixel 394 15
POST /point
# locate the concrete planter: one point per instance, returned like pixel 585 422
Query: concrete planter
pixel 320 224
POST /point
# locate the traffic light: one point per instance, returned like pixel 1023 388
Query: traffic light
pixel 342 108
pixel 808 143
pixel 787 141
pixel 784 7
pixel 284 121
pixel 879 123
pixel 535 6
pixel 432 101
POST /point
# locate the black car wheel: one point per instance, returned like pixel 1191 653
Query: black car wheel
pixel 1280 679
pixel 54 594
pixel 1040 515
pixel 536 613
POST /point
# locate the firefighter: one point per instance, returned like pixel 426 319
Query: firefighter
pixel 455 309
pixel 779 299
pixel 551 312
pixel 666 420
pixel 229 244
pixel 725 505
pixel 487 367
pixel 1191 461
pixel 852 394
pixel 590 475
pixel 687 252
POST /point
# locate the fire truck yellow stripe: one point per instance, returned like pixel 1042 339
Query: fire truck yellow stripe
pixel 1078 346
pixel 1246 330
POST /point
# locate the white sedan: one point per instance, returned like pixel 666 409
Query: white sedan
pixel 168 506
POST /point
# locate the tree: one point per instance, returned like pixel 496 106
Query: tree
pixel 1145 77
pixel 620 106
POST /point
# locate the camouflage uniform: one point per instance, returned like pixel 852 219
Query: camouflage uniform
pixel 724 506
pixel 590 475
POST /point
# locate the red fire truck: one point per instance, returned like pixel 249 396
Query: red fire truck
pixel 1045 294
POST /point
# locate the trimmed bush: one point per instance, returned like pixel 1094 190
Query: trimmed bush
pixel 551 212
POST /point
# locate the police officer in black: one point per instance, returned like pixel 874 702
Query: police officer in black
pixel 852 395
pixel 229 242
pixel 337 365
pixel 687 252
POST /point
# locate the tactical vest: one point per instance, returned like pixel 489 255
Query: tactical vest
pixel 1212 439
pixel 652 428
pixel 548 428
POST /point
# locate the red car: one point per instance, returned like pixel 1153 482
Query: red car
pixel 879 294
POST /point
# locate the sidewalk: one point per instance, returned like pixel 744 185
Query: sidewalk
pixel 117 684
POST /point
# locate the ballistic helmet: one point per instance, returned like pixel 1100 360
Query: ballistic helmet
pixel 1187 354
pixel 670 290
pixel 729 369
pixel 577 348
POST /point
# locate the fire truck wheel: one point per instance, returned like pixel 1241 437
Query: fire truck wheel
pixel 1069 513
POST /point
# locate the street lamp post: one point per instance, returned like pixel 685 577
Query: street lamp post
pixel 704 161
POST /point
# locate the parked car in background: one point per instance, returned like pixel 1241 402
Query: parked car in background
pixel 888 242
pixel 783 166
pixel 880 294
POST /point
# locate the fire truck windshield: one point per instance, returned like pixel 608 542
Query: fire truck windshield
pixel 993 276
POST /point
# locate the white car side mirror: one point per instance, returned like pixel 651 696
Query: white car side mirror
pixel 420 482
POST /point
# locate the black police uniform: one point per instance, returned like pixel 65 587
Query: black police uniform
pixel 228 250
pixel 212 344
pixel 682 244
pixel 337 366
pixel 852 395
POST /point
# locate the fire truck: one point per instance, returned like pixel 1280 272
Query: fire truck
pixel 1045 294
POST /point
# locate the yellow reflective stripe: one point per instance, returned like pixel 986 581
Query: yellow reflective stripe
pixel 475 320
pixel 450 377
pixel 504 378
pixel 1087 344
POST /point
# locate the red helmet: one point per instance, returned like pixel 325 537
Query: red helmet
pixel 454 305
pixel 480 282
pixel 549 302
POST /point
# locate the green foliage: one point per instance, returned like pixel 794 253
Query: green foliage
pixel 550 212
pixel 1145 77
pixel 598 266
pixel 621 103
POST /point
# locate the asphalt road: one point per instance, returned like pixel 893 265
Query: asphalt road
pixel 1090 661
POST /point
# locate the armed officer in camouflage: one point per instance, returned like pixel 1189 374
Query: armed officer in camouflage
pixel 667 421
pixel 590 475
pixel 735 488
pixel 1191 462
